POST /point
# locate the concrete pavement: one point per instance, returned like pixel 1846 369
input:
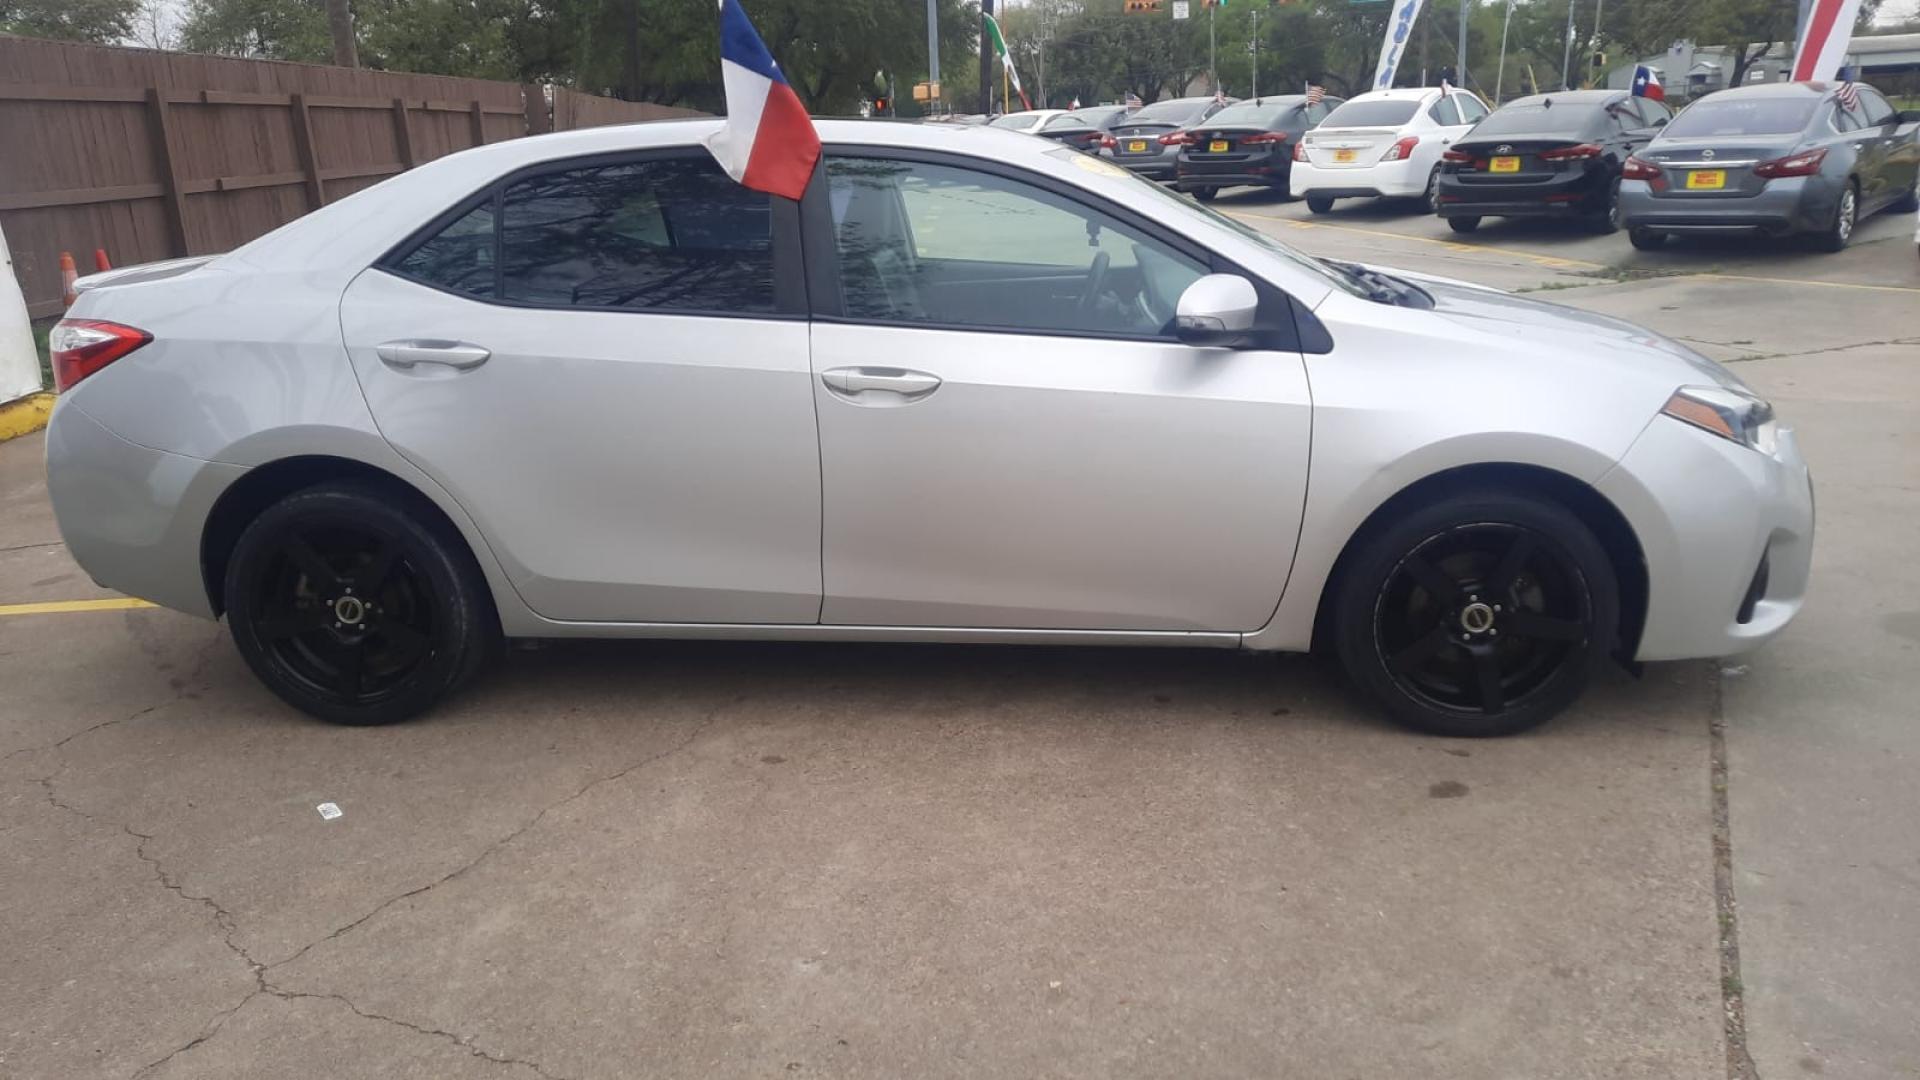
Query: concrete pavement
pixel 724 860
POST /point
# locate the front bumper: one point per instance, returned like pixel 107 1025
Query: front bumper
pixel 1788 205
pixel 1707 512
pixel 1391 179
pixel 132 516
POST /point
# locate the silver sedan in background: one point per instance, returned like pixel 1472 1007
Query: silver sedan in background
pixel 1782 158
pixel 973 387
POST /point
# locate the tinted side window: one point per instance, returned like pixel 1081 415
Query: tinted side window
pixel 924 243
pixel 1445 112
pixel 1877 110
pixel 458 258
pixel 669 234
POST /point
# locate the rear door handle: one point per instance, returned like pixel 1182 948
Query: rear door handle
pixel 853 382
pixel 458 355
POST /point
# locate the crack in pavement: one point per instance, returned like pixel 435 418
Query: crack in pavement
pixel 464 1042
pixel 1750 357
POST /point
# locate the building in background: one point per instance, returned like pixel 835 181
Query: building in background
pixel 1888 61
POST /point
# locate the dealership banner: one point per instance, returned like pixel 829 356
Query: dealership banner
pixel 1399 29
pixel 1824 36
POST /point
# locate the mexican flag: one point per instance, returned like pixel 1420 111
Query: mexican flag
pixel 1006 60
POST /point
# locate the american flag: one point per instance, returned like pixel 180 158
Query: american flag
pixel 1132 100
pixel 1316 94
pixel 1849 97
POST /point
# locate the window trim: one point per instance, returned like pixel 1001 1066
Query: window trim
pixel 789 275
pixel 1280 331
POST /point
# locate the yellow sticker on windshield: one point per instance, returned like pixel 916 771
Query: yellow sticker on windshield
pixel 1097 165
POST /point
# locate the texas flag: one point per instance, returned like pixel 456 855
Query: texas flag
pixel 768 142
pixel 1646 84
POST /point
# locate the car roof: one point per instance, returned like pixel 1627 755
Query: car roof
pixel 1570 97
pixel 1778 90
pixel 1410 93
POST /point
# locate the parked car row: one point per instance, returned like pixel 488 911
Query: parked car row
pixel 1808 158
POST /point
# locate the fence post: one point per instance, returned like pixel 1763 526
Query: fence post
pixel 169 169
pixel 479 124
pixel 309 160
pixel 403 132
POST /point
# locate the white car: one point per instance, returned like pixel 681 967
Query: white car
pixel 1383 143
pixel 1030 121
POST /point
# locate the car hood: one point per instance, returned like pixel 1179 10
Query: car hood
pixel 1559 332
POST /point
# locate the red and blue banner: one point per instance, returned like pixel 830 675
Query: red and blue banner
pixel 768 142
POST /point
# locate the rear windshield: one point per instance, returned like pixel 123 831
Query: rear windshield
pixel 1066 123
pixel 1743 116
pixel 1380 112
pixel 1254 113
pixel 1019 121
pixel 1539 119
pixel 1178 111
pixel 1089 117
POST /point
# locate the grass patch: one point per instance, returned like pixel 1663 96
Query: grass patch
pixel 40 331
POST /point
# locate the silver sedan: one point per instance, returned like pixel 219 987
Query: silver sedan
pixel 972 388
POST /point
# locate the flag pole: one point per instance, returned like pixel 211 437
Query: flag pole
pixel 1500 78
pixel 986 59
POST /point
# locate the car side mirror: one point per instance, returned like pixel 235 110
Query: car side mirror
pixel 1218 310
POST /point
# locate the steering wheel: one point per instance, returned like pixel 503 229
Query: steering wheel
pixel 1096 277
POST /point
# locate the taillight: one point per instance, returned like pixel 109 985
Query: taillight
pixel 1401 150
pixel 1264 137
pixel 81 347
pixel 1176 138
pixel 1108 142
pixel 1798 165
pixel 1639 169
pixel 1572 153
pixel 1299 151
pixel 1455 155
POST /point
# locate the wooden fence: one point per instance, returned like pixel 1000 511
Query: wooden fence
pixel 150 155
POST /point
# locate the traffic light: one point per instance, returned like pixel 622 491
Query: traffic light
pixel 881 106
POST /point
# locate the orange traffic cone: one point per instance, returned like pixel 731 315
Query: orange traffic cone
pixel 100 259
pixel 68 275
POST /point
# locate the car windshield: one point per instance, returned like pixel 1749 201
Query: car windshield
pixel 1179 111
pixel 1019 121
pixel 1380 112
pixel 1743 116
pixel 1147 189
pixel 1255 113
pixel 1539 118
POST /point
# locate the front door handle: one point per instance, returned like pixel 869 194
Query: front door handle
pixel 854 382
pixel 405 355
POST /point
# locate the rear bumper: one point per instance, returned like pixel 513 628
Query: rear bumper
pixel 132 517
pixel 1264 171
pixel 1391 179
pixel 1794 204
pixel 1153 167
pixel 1560 197
pixel 1707 512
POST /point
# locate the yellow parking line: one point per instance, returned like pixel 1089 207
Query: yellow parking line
pixel 1805 281
pixel 1550 261
pixel 62 607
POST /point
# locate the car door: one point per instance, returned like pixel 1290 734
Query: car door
pixel 1050 456
pixel 1444 114
pixel 1891 171
pixel 605 362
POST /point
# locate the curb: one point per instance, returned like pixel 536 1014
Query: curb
pixel 25 415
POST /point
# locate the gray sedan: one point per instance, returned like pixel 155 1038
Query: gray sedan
pixel 1806 157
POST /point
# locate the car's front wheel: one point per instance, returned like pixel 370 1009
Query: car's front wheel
pixel 1480 614
pixel 356 603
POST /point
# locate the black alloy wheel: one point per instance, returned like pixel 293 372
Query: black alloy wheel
pixel 1478 616
pixel 355 604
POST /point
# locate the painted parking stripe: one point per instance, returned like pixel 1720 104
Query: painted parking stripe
pixel 64 607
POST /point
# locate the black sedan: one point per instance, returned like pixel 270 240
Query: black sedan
pixel 1548 155
pixel 1083 129
pixel 1248 143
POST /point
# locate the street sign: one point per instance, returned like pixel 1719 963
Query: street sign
pixel 1143 7
pixel 1179 9
pixel 926 91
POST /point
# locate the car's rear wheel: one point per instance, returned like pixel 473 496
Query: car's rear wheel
pixel 1846 214
pixel 1477 615
pixel 1606 217
pixel 1431 196
pixel 1463 224
pixel 357 604
pixel 1909 202
pixel 1647 239
pixel 1319 204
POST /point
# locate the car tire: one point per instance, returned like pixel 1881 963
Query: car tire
pixel 1645 239
pixel 1422 601
pixel 1909 202
pixel 1846 215
pixel 1463 224
pixel 358 604
pixel 1319 204
pixel 1205 194
pixel 1431 196
pixel 1606 220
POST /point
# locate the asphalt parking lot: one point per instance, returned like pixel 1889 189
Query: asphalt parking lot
pixel 633 859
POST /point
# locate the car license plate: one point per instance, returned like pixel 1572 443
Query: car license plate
pixel 1218 146
pixel 1137 146
pixel 1504 164
pixel 1343 155
pixel 1706 179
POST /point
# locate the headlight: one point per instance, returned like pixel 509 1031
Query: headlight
pixel 1730 414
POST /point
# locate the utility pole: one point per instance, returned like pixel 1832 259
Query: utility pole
pixel 933 57
pixel 1213 65
pixel 1598 6
pixel 1566 56
pixel 1460 57
pixel 986 60
pixel 1500 79
pixel 1253 46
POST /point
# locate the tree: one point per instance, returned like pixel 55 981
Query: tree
pixel 100 21
pixel 270 29
pixel 340 26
